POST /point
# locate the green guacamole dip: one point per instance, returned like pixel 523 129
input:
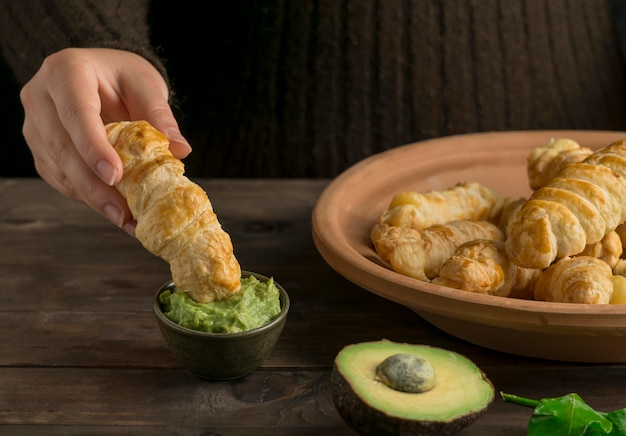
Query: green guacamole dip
pixel 256 304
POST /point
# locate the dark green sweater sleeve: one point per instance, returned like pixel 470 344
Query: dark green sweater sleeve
pixel 31 30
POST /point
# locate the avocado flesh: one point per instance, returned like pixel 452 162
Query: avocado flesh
pixel 461 394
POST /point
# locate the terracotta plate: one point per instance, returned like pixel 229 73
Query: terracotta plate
pixel 351 204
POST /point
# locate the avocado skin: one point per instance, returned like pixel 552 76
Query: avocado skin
pixel 367 421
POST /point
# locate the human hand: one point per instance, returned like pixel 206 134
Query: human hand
pixel 66 105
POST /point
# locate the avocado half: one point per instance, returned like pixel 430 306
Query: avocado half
pixel 461 393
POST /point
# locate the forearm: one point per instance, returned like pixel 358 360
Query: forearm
pixel 31 30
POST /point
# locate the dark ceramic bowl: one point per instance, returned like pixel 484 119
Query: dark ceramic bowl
pixel 222 356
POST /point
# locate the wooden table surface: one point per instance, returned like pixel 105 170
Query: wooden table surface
pixel 81 352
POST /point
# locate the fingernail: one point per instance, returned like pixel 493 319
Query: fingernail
pixel 129 228
pixel 175 135
pixel 107 172
pixel 114 214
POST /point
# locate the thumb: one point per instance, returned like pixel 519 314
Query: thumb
pixel 179 146
pixel 148 100
pixel 164 121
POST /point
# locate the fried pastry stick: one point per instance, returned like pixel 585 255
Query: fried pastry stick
pixel 621 232
pixel 509 207
pixel 175 218
pixel 586 201
pixel 609 249
pixel 580 279
pixel 620 266
pixel 544 163
pixel 482 266
pixel 464 201
pixel 421 254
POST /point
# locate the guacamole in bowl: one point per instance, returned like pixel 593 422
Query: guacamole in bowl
pixel 224 339
pixel 256 304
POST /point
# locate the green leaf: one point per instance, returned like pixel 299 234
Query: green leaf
pixel 618 418
pixel 568 415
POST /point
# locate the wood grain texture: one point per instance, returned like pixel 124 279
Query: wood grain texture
pixel 82 354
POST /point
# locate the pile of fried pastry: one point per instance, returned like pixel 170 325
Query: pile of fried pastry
pixel 562 244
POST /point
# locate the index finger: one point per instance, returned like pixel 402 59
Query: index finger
pixel 78 106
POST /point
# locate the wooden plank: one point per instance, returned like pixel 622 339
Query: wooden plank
pixel 132 339
pixel 82 353
pixel 277 400
pixel 160 398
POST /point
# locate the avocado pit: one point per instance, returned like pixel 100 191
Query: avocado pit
pixel 406 372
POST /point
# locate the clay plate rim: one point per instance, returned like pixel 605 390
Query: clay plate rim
pixel 350 204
